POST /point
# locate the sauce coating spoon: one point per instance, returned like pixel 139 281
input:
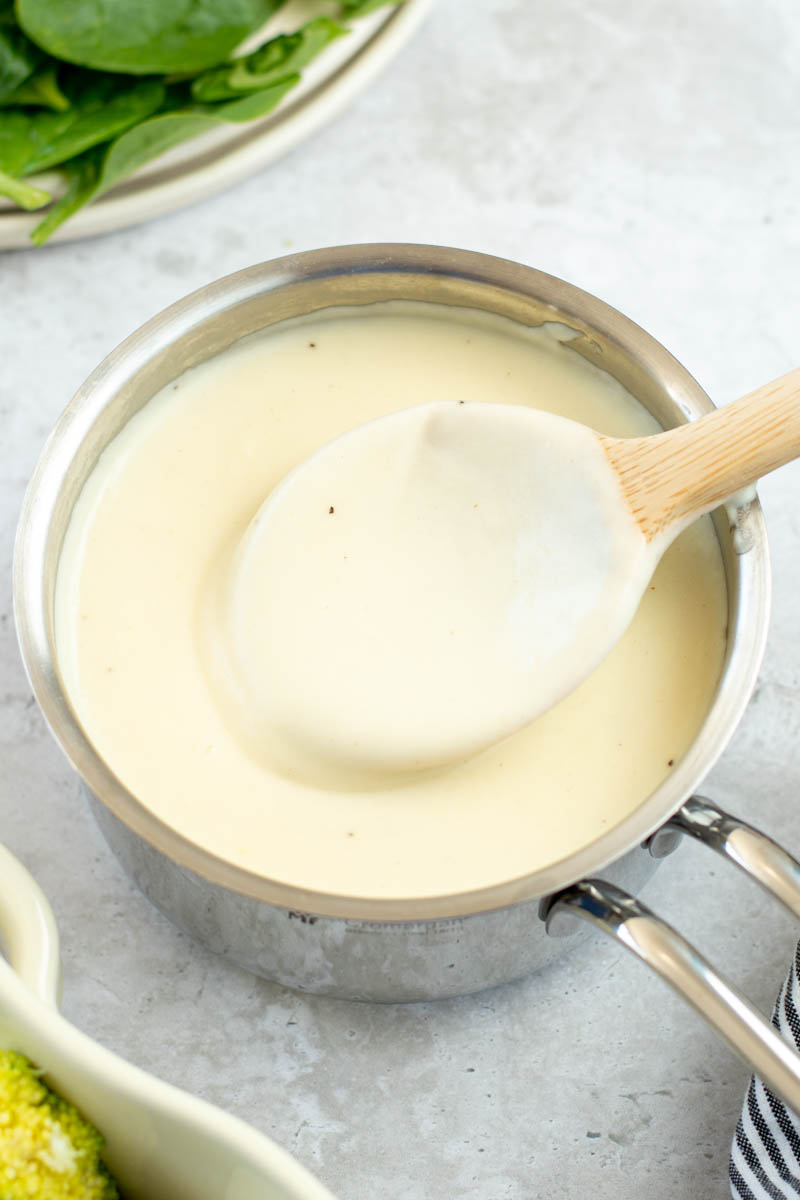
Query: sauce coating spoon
pixel 430 582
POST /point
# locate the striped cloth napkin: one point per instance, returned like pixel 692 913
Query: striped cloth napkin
pixel 765 1154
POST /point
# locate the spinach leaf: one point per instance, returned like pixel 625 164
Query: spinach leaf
pixel 24 194
pixel 39 90
pixel 20 131
pixel 281 56
pixel 150 139
pixel 255 104
pixel 18 57
pixel 101 107
pixel 144 38
pixel 360 8
pixel 147 141
pixel 82 173
pixel 160 133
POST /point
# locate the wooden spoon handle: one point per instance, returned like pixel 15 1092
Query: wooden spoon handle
pixel 673 477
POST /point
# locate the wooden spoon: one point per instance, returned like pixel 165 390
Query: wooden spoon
pixel 430 582
pixel 671 478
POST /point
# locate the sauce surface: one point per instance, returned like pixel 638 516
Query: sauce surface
pixel 172 498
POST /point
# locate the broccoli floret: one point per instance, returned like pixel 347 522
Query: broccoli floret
pixel 47 1150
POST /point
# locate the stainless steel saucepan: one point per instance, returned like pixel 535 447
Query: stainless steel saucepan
pixel 428 947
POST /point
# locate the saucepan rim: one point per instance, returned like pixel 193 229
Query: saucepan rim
pixel 33 560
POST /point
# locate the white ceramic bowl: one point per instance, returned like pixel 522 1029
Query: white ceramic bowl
pixel 160 1141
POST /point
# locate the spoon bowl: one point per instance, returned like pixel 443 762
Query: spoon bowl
pixel 435 606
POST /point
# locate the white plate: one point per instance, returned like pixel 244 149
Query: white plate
pixel 216 160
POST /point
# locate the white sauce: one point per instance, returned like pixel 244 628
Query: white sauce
pixel 154 530
pixel 425 585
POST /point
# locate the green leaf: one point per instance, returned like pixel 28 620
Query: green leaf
pixel 257 104
pixel 82 173
pixel 277 58
pixel 19 132
pixel 148 37
pixel 100 108
pixel 23 194
pixel 40 90
pixel 162 132
pixel 149 140
pixel 18 57
pixel 360 8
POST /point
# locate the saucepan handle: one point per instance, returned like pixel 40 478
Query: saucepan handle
pixel 663 949
pixel 752 851
pixel 28 929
